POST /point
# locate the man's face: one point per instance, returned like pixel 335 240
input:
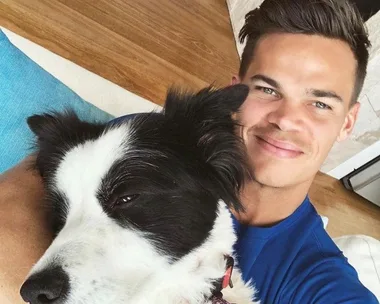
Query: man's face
pixel 299 105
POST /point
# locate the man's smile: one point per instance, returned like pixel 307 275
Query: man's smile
pixel 280 149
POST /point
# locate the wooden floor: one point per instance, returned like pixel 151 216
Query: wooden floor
pixel 146 46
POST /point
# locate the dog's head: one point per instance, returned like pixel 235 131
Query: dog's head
pixel 141 203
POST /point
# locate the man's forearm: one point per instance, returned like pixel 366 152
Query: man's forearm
pixel 24 232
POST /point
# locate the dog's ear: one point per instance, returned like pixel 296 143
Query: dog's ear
pixel 39 123
pixel 207 103
pixel 208 122
pixel 56 133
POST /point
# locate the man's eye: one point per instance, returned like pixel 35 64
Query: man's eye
pixel 321 105
pixel 269 91
pixel 265 93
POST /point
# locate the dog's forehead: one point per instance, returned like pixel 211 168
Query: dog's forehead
pixel 142 145
pixel 82 168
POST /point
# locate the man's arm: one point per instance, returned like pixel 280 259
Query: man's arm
pixel 24 228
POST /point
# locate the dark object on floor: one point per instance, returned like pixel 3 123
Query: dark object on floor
pixel 367 8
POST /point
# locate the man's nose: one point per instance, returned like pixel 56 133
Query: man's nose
pixel 48 286
pixel 287 117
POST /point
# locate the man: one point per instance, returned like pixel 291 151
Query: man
pixel 305 62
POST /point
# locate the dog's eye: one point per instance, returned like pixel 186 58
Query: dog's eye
pixel 126 199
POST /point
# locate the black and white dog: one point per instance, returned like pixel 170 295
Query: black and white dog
pixel 141 207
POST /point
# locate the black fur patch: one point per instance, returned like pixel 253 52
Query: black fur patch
pixel 367 8
pixel 59 206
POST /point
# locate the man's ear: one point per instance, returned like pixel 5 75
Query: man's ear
pixel 235 79
pixel 349 122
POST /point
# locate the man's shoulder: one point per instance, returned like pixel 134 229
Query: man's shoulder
pixel 322 274
pixel 327 280
pixel 318 251
pixel 303 264
pixel 321 245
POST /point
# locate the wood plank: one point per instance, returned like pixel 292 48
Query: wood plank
pixel 348 212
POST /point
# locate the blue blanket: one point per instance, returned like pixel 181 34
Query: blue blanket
pixel 27 89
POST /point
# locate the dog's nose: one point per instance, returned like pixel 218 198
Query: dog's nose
pixel 48 286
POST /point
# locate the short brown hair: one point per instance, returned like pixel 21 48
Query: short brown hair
pixel 338 19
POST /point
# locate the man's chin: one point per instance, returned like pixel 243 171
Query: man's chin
pixel 275 178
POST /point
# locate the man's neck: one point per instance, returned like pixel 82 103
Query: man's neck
pixel 265 206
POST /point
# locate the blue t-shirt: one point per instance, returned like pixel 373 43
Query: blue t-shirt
pixel 297 262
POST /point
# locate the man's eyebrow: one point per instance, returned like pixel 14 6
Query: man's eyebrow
pixel 266 79
pixel 323 93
